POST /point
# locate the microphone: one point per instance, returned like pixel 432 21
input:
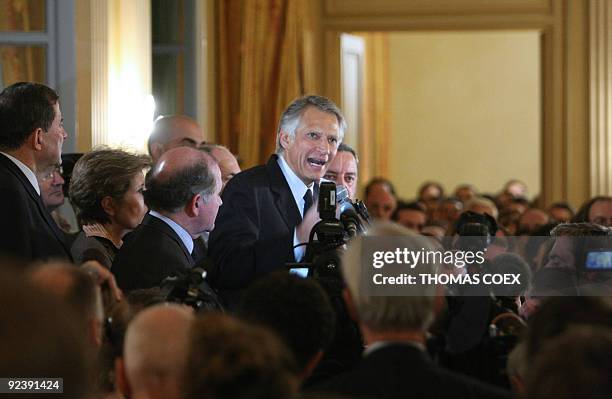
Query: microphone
pixel 349 214
pixel 342 194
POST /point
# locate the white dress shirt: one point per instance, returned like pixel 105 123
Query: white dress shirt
pixel 298 190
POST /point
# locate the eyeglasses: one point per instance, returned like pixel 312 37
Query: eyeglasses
pixel 52 173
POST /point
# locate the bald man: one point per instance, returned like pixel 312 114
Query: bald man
pixel 183 197
pixel 227 161
pixel 155 352
pixel 173 131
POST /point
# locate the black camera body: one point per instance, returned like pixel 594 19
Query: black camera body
pixel 190 289
pixel 329 236
pixel 476 231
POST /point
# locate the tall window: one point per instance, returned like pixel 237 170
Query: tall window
pixel 35 46
pixel 174 57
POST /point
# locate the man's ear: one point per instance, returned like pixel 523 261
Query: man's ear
pixel 157 149
pixel 350 305
pixel 285 139
pixel 193 207
pixel 108 205
pixel 37 139
pixel 121 377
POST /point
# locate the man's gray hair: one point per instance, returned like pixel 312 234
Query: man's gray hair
pixel 290 119
pixel 413 311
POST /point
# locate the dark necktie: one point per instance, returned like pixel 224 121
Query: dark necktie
pixel 307 201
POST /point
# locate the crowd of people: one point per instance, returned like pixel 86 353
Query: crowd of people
pixel 167 275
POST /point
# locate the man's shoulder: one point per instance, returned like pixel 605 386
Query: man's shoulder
pixel 152 234
pixel 8 172
pixel 147 256
pixel 255 176
pixel 12 187
pixel 397 371
pixel 259 177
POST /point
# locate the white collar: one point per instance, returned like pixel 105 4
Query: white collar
pixel 29 174
pixel 297 186
pixel 178 229
pixel 382 344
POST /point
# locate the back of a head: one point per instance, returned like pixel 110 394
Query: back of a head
pixel 24 107
pixel 482 205
pixel 413 309
pixel 74 286
pixel 574 365
pixel 511 263
pixel 297 309
pixel 156 345
pixel 229 359
pixel 40 337
pixel 177 177
pixel 558 314
pixel 579 230
pixel 170 131
pixel 385 183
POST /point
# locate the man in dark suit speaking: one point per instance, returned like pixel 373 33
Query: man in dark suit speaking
pixel 183 194
pixel 31 137
pixel 267 209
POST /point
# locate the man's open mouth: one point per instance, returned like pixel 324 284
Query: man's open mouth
pixel 316 162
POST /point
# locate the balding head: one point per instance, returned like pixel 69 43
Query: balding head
pixel 155 351
pixel 227 161
pixel 173 131
pixel 184 185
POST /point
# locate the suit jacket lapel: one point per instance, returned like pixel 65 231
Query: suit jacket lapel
pixel 59 235
pixel 162 226
pixel 284 198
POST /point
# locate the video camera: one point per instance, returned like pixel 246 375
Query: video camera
pixel 476 231
pixel 329 236
pixel 190 289
pixel 593 253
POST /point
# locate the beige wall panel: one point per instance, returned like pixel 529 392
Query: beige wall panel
pixel 465 108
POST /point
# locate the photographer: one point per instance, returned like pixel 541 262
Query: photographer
pixel 578 262
pixel 469 346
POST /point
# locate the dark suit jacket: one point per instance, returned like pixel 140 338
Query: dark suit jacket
pixel 29 232
pixel 152 252
pixel 404 371
pixel 254 229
